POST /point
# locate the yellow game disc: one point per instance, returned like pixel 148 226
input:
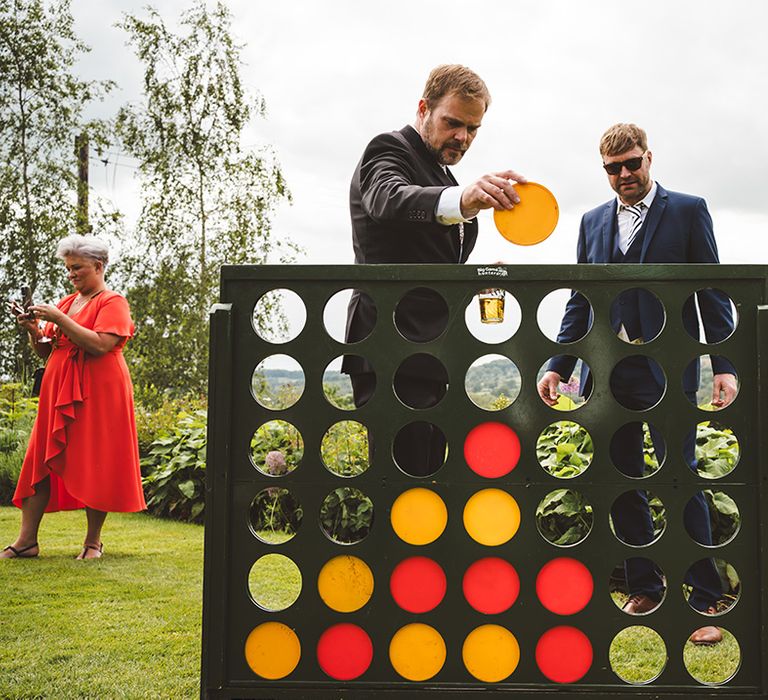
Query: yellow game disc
pixel 419 516
pixel 417 652
pixel 490 653
pixel 491 517
pixel 345 583
pixel 272 650
pixel 533 219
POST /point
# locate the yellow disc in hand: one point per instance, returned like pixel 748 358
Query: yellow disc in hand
pixel 533 219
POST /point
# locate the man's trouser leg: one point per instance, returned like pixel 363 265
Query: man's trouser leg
pixel 702 576
pixel 419 447
pixel 630 512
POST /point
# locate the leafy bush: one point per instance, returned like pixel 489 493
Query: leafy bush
pixel 277 389
pixel 717 450
pixel 339 394
pixel 658 514
pixel 650 458
pixel 564 517
pixel 10 468
pixel 175 468
pixel 275 515
pixel 564 449
pixel 276 436
pixel 157 413
pixel 346 515
pixel 17 415
pixel 724 516
pixel 344 448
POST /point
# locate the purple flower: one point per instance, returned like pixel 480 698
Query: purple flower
pixel 572 387
pixel 275 462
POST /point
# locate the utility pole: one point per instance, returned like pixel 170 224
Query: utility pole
pixel 81 151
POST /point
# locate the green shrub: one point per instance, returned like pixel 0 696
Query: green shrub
pixel 650 458
pixel 174 484
pixel 346 515
pixel 340 395
pixel 717 450
pixel 276 436
pixel 724 516
pixel 157 413
pixel 17 415
pixel 564 517
pixel 10 468
pixel 344 449
pixel 564 449
pixel 275 514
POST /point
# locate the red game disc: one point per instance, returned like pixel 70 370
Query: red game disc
pixel 418 584
pixel 492 449
pixel 491 585
pixel 564 654
pixel 344 651
pixel 564 586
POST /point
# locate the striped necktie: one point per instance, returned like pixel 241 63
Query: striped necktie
pixel 636 213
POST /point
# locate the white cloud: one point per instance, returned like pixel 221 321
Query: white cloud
pixel 692 73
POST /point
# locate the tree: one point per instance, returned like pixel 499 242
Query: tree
pixel 41 107
pixel 206 199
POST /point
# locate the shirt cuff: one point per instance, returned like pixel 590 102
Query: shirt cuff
pixel 448 211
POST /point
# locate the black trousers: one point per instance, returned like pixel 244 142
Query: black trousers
pixel 631 513
pixel 419 447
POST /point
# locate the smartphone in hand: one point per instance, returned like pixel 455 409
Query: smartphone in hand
pixel 15 308
pixel 21 310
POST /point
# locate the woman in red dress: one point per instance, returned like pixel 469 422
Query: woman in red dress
pixel 83 450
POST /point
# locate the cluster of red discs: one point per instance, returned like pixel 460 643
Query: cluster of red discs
pixel 491 586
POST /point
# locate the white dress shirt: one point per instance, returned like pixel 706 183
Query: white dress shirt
pixel 626 220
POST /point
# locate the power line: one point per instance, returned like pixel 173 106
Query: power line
pixel 106 162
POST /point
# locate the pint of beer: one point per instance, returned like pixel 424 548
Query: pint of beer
pixel 491 305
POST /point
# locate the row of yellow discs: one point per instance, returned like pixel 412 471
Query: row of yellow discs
pixel 417 652
pixel 491 516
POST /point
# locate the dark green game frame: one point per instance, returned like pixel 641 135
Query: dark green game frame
pixel 232 482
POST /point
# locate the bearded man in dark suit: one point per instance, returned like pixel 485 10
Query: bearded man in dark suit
pixel 647 224
pixel 407 207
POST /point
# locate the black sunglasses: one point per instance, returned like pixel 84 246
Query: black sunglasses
pixel 630 164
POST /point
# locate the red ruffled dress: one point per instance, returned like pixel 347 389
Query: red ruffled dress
pixel 84 435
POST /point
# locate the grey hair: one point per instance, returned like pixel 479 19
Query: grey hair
pixel 83 246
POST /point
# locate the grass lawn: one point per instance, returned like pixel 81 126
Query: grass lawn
pixel 125 626
pixel 128 625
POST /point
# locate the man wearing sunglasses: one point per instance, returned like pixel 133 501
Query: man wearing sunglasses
pixel 647 224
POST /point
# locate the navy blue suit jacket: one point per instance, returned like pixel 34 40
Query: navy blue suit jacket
pixel 677 229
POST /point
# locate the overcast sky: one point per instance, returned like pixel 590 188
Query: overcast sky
pixel 694 74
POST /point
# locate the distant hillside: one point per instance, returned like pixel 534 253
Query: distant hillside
pixel 492 378
pixel 488 381
pixel 278 377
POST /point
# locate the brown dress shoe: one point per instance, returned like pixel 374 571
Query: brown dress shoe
pixel 706 636
pixel 639 604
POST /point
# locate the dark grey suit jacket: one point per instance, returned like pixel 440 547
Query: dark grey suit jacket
pixel 393 196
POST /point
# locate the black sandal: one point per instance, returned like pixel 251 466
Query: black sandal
pixel 19 553
pixel 97 548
